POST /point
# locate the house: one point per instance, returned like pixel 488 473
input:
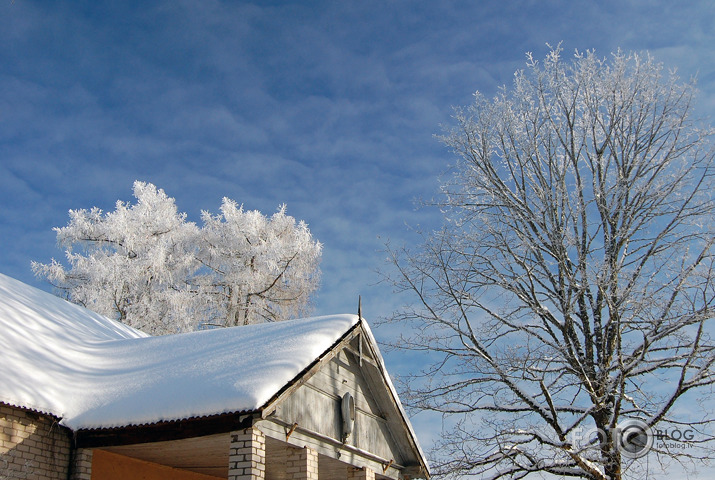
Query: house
pixel 84 397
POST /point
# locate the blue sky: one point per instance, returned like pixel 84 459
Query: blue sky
pixel 330 107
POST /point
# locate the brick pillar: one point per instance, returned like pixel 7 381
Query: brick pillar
pixel 247 455
pixel 82 468
pixel 302 464
pixel 363 473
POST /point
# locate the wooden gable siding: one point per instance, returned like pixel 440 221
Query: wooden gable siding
pixel 316 406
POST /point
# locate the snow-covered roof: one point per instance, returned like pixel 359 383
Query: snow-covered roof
pixel 93 372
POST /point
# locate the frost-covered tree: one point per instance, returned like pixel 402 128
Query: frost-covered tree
pixel 567 301
pixel 146 266
pixel 133 264
pixel 256 268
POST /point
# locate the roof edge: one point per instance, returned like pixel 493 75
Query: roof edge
pixel 375 351
pixel 164 430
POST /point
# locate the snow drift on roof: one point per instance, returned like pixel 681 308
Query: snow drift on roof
pixel 43 339
pixel 96 373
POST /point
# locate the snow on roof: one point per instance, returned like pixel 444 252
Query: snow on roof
pixel 93 372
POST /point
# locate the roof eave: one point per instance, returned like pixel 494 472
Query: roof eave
pixel 165 430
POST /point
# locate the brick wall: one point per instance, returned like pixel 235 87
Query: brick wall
pixel 302 464
pixel 247 456
pixel 32 445
pixel 82 464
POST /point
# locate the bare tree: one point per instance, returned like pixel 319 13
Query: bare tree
pixel 567 300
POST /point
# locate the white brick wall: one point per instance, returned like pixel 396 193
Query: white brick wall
pixel 302 464
pixel 32 445
pixel 82 469
pixel 247 455
pixel 360 474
